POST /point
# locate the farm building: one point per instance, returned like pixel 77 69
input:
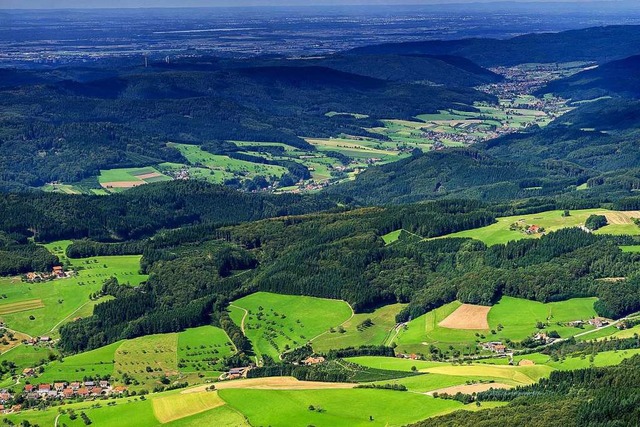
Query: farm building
pixel 495 346
pixel 598 322
pixel 313 360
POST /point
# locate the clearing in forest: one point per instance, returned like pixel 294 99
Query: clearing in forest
pixel 468 316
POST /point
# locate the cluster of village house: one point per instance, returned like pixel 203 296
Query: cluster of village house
pixel 57 272
pixel 64 390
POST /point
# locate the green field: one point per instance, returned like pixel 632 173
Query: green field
pixel 171 409
pixel 65 299
pixel 114 180
pixel 350 407
pixel 275 323
pixel 500 232
pixel 200 158
pixel 377 334
pixel 202 349
pixel 190 355
pixel 424 331
pixel 501 373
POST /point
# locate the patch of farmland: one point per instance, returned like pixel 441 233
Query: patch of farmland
pixel 511 318
pixel 203 349
pixel 17 307
pixel 467 316
pixel 176 406
pixel 276 323
pixel 366 407
pixel 502 231
pixel 375 328
pixel 148 359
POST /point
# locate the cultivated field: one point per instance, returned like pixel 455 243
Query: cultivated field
pixel 118 179
pixel 17 307
pixel 275 323
pixel 467 316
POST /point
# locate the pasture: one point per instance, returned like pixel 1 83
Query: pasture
pixel 202 349
pixel 40 308
pixel 511 318
pixel 366 407
pixel 357 331
pixel 501 231
pixel 276 323
pixel 145 360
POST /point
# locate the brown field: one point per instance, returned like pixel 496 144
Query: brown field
pixel 21 306
pixel 469 389
pixel 623 217
pixel 272 383
pixel 467 316
pixel 526 362
pixel 121 184
pixel 149 175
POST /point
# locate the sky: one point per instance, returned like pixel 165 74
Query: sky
pixel 63 4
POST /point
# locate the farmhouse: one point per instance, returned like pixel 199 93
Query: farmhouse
pixel 28 372
pixel 313 360
pixel 598 322
pixel 495 346
pixel 234 373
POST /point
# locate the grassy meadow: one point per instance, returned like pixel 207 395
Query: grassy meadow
pixel 55 302
pixel 274 323
pixel 356 333
pixel 425 330
pixel 500 232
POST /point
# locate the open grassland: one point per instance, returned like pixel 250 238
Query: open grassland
pixel 357 331
pixel 511 318
pixel 202 349
pixel 17 307
pixel 98 362
pixel 274 323
pixel 500 232
pixel 335 408
pixel 175 406
pixel 171 409
pixel 40 308
pixel 148 358
pixel 200 158
pixel 605 358
pixel 510 374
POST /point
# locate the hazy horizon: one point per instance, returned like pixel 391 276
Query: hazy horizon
pixel 124 4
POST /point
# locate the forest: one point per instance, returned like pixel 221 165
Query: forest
pixel 341 255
